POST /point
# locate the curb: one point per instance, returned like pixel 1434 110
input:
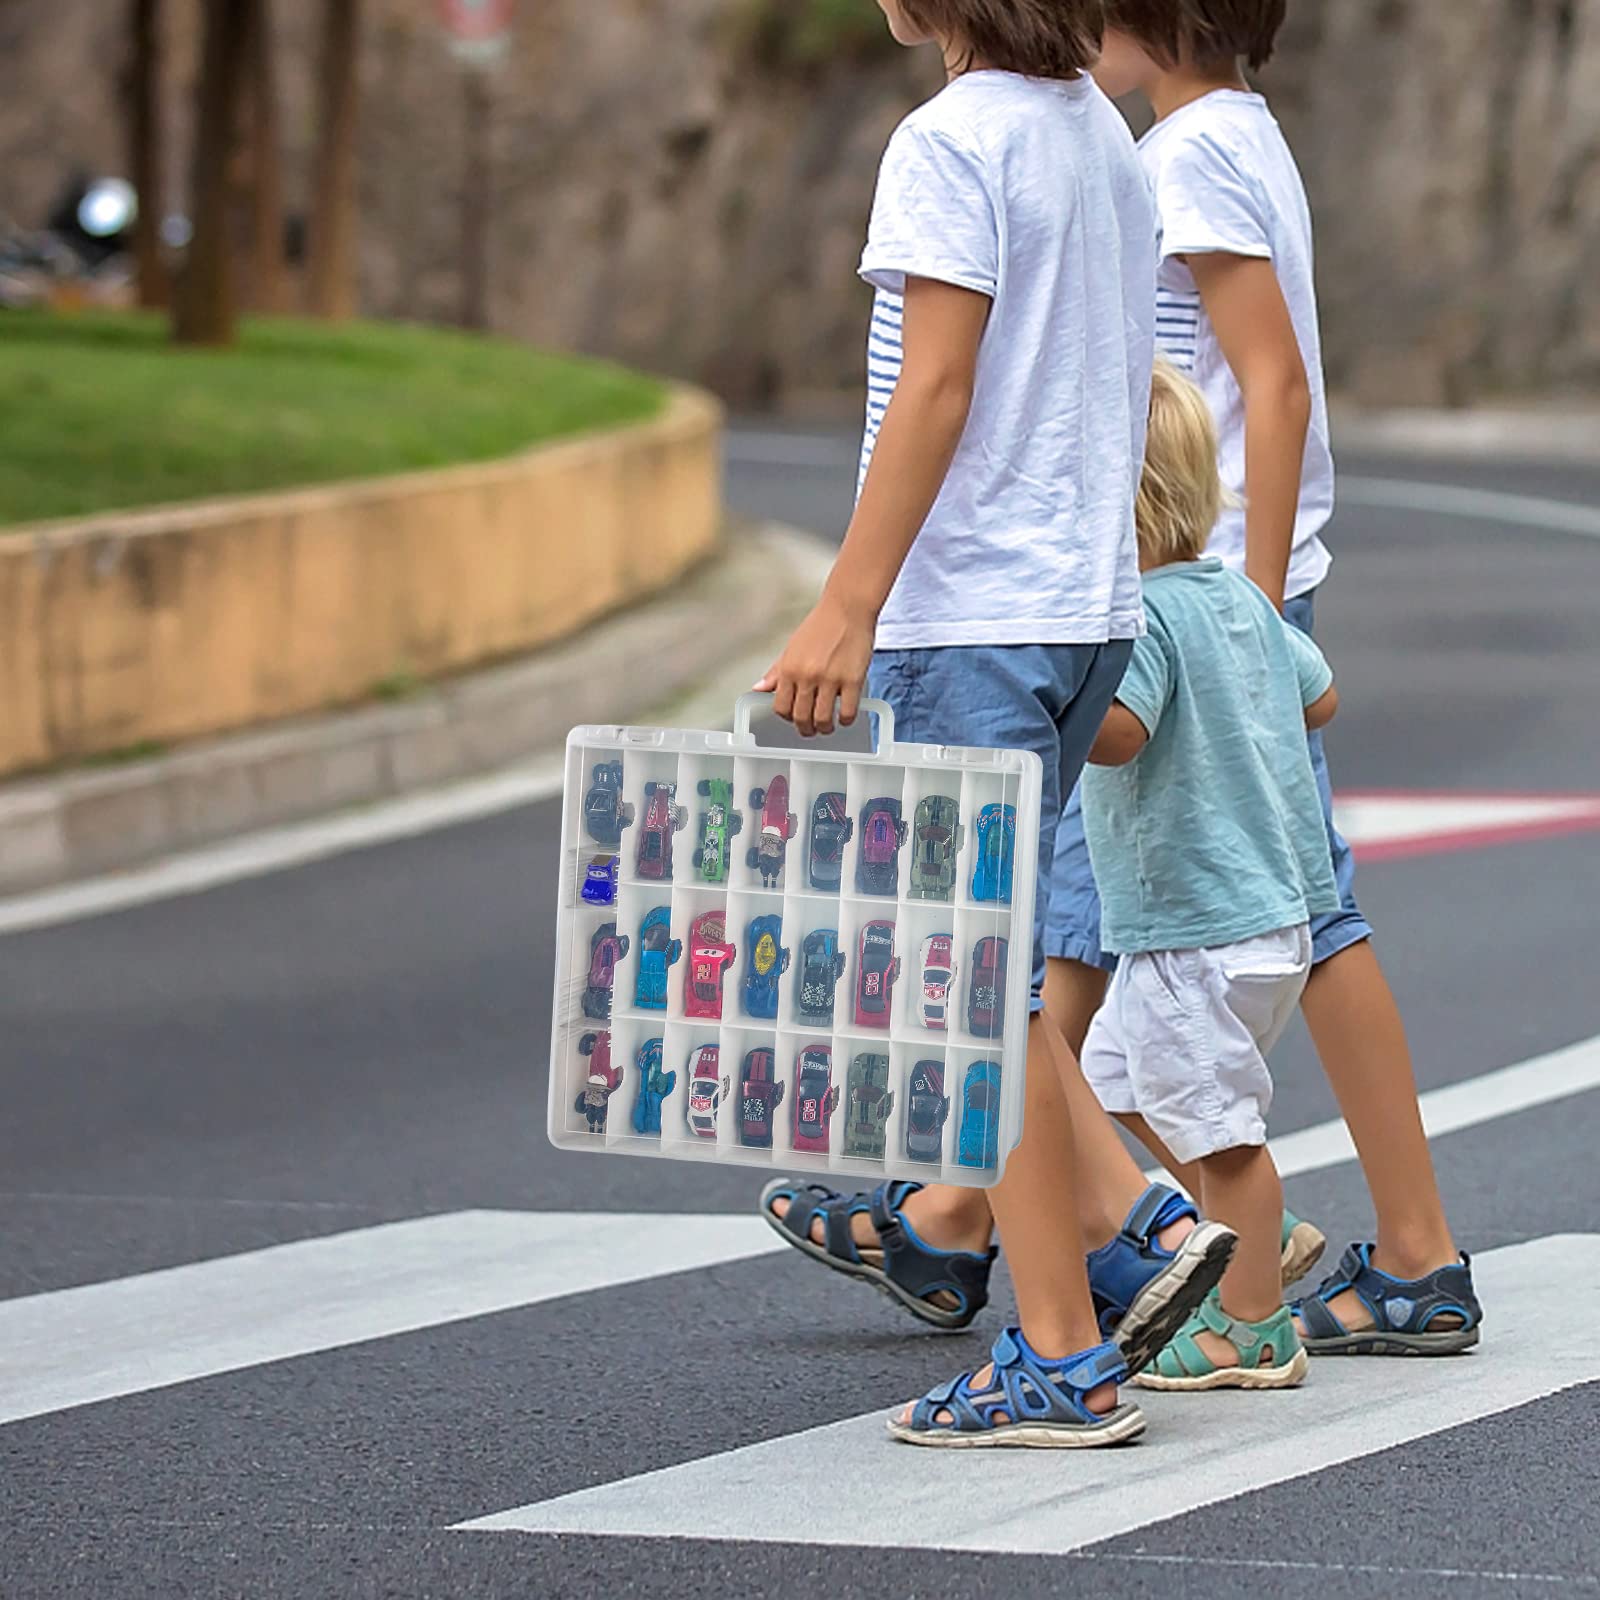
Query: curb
pixel 73 825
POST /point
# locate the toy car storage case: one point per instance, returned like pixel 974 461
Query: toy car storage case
pixel 802 961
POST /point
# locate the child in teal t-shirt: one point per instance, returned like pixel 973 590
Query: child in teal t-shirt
pixel 1205 828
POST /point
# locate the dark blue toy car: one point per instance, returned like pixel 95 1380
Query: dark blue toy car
pixel 978 1138
pixel 821 966
pixel 600 881
pixel 997 839
pixel 768 962
pixel 654 1087
pixel 657 951
pixel 605 812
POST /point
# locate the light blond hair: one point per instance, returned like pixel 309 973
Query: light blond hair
pixel 1181 494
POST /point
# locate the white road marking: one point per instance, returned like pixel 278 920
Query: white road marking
pixel 1503 1093
pixel 1476 505
pixel 274 849
pixel 1386 824
pixel 861 1489
pixel 75 1347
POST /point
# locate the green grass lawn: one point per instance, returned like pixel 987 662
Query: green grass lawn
pixel 99 412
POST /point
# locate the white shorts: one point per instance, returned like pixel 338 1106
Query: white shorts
pixel 1183 1036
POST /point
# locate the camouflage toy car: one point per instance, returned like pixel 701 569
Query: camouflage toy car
pixel 935 843
pixel 868 1101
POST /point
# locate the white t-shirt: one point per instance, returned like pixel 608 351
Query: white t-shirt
pixel 1028 191
pixel 1225 181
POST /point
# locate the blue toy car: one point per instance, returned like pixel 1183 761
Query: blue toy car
pixel 600 881
pixel 821 966
pixel 657 951
pixel 654 1087
pixel 997 840
pixel 768 962
pixel 978 1138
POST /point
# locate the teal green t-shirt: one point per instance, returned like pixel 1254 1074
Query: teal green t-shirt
pixel 1213 833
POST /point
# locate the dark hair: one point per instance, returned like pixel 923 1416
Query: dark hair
pixel 1206 32
pixel 1038 38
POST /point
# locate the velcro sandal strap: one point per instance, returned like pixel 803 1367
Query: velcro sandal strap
pixel 887 1199
pixel 1104 1364
pixel 1157 1208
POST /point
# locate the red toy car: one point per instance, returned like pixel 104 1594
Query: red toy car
pixel 986 996
pixel 759 1098
pixel 662 819
pixel 876 972
pixel 606 948
pixel 710 956
pixel 604 1080
pixel 778 826
pixel 815 1098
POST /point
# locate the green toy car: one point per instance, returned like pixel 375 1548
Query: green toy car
pixel 867 1104
pixel 719 822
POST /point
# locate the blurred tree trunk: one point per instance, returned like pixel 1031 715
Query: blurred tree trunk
pixel 146 146
pixel 266 166
pixel 477 103
pixel 203 306
pixel 333 221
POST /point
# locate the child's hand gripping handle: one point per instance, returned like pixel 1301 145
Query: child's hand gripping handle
pixel 748 706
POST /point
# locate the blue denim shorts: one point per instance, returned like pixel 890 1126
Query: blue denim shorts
pixel 1073 928
pixel 1048 698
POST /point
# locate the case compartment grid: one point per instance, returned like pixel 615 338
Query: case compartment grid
pixel 739 892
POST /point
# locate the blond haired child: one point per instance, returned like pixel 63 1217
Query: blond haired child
pixel 1205 830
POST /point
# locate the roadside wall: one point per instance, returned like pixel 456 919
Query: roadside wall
pixel 168 624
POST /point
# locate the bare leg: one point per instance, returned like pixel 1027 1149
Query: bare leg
pixel 1361 1041
pixel 1109 1179
pixel 1187 1177
pixel 1241 1188
pixel 1033 1206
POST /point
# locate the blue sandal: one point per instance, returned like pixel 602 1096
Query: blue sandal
pixel 1143 1292
pixel 1438 1315
pixel 1042 1402
pixel 906 1269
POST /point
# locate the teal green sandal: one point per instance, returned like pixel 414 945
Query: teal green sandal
pixel 1303 1244
pixel 1271 1355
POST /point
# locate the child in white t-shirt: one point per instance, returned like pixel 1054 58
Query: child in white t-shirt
pixel 988 589
pixel 1237 310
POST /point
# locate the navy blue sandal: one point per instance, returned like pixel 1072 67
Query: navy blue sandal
pixel 1438 1315
pixel 1028 1402
pixel 906 1269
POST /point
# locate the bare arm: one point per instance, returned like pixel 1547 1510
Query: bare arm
pixel 1246 307
pixel 1121 737
pixel 826 658
pixel 1321 712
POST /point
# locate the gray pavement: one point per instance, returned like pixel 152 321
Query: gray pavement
pixel 360 1041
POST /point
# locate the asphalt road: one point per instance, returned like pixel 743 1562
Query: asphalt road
pixel 314 1054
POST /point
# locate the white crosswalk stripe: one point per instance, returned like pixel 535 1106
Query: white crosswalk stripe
pixel 862 1489
pixel 74 1347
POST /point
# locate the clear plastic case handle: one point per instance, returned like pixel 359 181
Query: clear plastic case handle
pixel 748 705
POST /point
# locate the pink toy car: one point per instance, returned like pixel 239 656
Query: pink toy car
pixel 815 1099
pixel 710 956
pixel 876 972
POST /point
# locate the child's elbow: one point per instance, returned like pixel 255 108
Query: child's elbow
pixel 1322 711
